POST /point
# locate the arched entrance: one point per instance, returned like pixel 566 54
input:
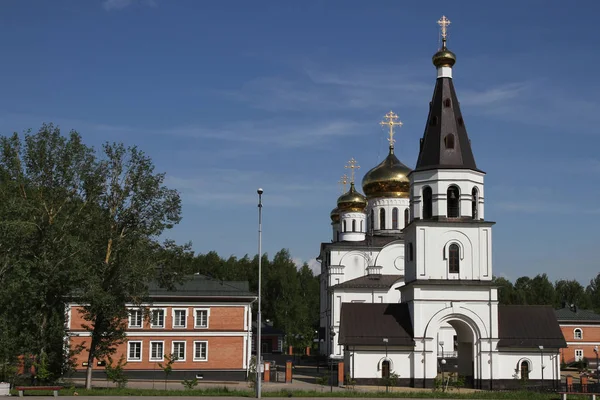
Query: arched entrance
pixel 460 355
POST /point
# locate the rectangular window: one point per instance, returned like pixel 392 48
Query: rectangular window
pixel 179 318
pixel 134 352
pixel 578 355
pixel 179 351
pixel 135 318
pixel 158 318
pixel 201 318
pixel 280 343
pixel 157 351
pixel 200 351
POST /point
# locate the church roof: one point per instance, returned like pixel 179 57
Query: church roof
pixel 529 326
pixel 518 326
pixel 381 281
pixel 371 241
pixel 368 323
pixel 573 314
pixel 445 143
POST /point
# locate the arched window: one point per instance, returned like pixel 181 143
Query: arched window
pixel 372 220
pixel 385 369
pixel 447 103
pixel 353 225
pixel 382 219
pixel 474 203
pixel 395 218
pixel 406 217
pixel 578 333
pixel 344 226
pixel 453 259
pixel 361 226
pixel 453 201
pixel 410 252
pixel 524 370
pixel 427 203
pixel 449 141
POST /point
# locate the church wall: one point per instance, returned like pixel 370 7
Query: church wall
pixel 391 258
pixel 367 361
pixel 509 364
pixel 388 205
pixel 431 252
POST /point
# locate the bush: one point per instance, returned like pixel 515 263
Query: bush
pixel 116 373
pixel 190 383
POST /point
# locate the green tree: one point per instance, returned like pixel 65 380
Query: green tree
pixel 571 292
pixel 135 208
pixel 593 291
pixel 542 290
pixel 506 291
pixel 44 202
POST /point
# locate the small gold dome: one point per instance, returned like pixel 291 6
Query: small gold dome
pixel 444 58
pixel 352 201
pixel 388 179
pixel 335 215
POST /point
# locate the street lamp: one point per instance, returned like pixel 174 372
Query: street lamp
pixel 542 354
pixel 442 362
pixel 387 378
pixel 258 317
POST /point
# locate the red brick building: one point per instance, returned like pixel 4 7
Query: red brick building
pixel 206 324
pixel 581 329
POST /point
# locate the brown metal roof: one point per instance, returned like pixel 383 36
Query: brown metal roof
pixel 369 282
pixel 368 323
pixel 445 118
pixel 529 326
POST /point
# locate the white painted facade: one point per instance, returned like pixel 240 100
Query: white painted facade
pixel 389 215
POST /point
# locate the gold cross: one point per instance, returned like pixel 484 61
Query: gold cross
pixel 352 165
pixel 391 122
pixel 443 23
pixel 343 182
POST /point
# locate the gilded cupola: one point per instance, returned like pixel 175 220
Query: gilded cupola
pixel 352 200
pixel 335 215
pixel 390 177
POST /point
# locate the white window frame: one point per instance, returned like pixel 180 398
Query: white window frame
pixel 129 319
pixel 184 349
pixel 129 343
pixel 580 357
pixel 173 318
pixel 575 334
pixel 196 326
pixel 162 356
pixel 163 326
pixel 196 343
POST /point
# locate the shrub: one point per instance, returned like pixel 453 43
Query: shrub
pixel 116 373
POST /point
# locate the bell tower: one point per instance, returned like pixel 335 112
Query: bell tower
pixel 448 237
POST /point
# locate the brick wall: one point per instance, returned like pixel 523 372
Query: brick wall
pixel 590 338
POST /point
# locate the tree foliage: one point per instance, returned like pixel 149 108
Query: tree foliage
pixel 541 291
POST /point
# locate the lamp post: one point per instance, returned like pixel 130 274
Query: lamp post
pixel 542 355
pixel 258 317
pixel 387 378
pixel 442 362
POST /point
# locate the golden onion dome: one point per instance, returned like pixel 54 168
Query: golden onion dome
pixel 335 215
pixel 388 179
pixel 352 201
pixel 444 58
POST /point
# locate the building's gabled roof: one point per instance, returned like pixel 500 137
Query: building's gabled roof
pixel 368 323
pixel 375 281
pixel 573 314
pixel 445 118
pixel 529 326
pixel 203 286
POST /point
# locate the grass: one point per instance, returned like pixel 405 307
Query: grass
pixel 224 391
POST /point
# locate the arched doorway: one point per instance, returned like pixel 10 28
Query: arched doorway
pixel 459 352
pixel 385 369
pixel 524 370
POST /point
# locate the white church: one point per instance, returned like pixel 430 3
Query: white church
pixel 406 281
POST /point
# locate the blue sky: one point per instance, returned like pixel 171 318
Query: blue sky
pixel 228 96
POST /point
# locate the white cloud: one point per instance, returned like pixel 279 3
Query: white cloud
pixel 121 4
pixel 313 264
